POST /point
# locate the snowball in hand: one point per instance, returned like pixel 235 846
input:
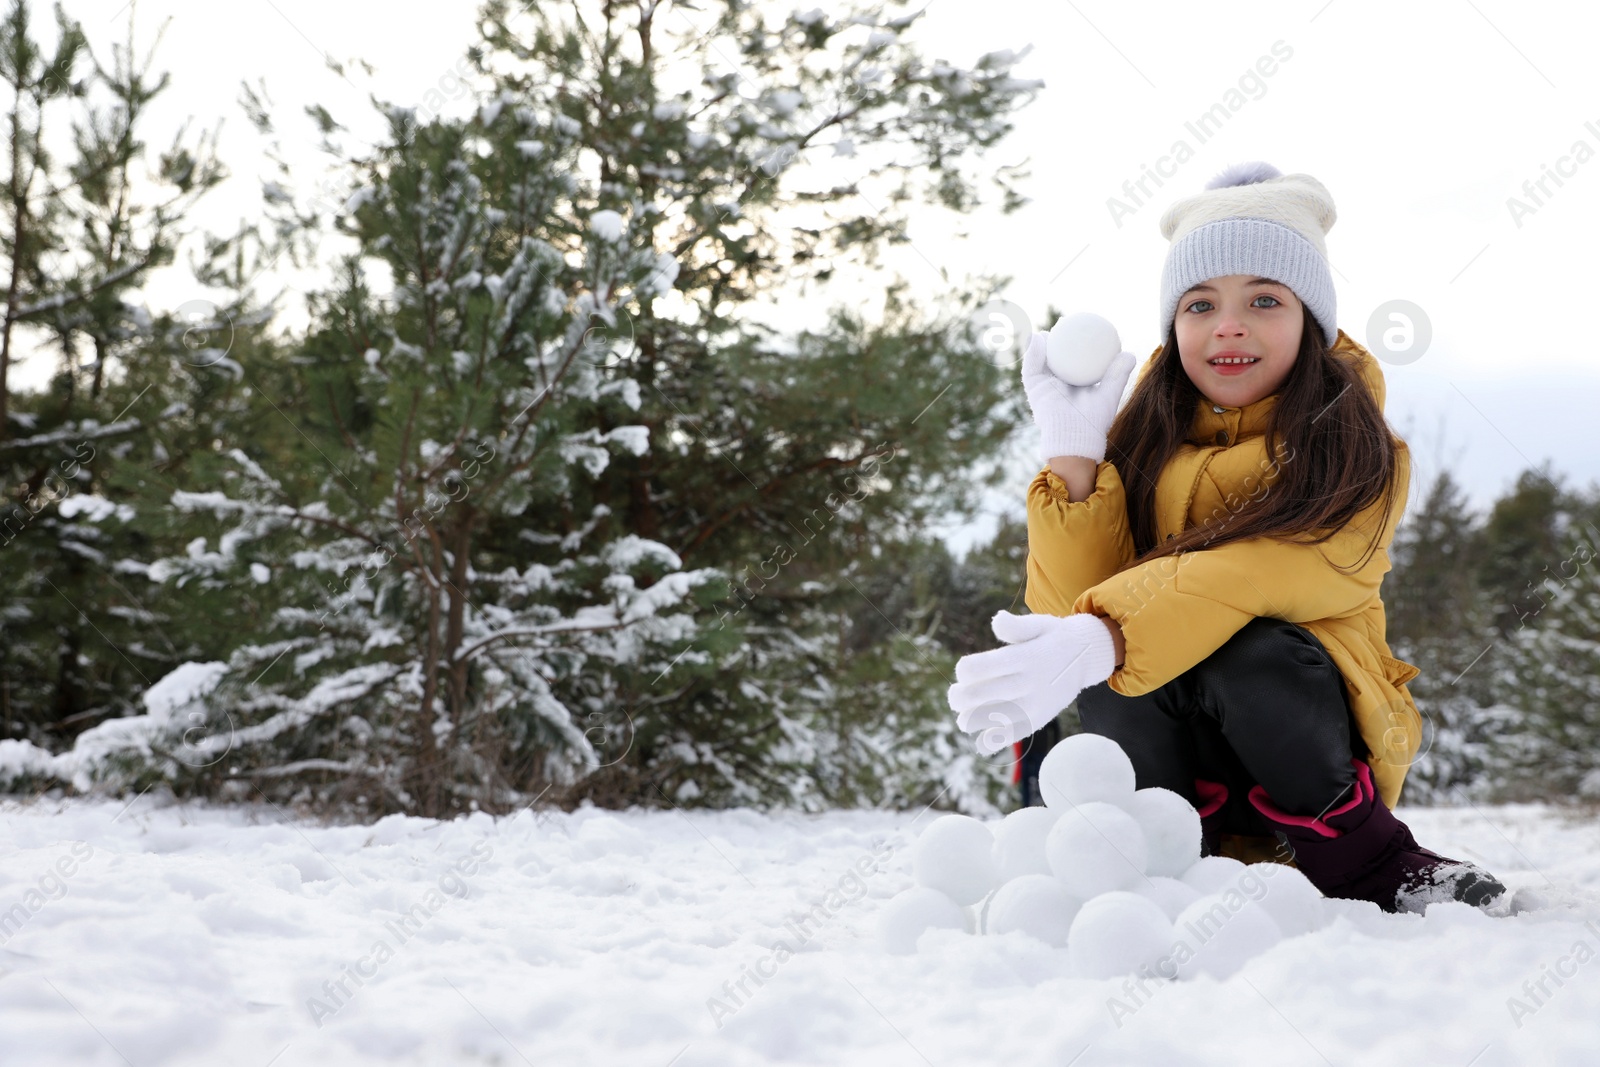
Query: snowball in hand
pixel 904 918
pixel 1019 842
pixel 955 855
pixel 1095 848
pixel 1294 903
pixel 1036 904
pixel 1086 767
pixel 1224 931
pixel 1081 347
pixel 1116 934
pixel 1171 830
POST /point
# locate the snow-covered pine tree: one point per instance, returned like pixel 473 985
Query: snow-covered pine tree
pixel 488 550
pixel 1440 618
pixel 89 214
pixel 411 656
pixel 1553 667
pixel 799 466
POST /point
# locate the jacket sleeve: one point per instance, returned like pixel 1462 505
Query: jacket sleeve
pixel 1176 610
pixel 1074 545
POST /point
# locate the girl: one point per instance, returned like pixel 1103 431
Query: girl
pixel 1210 596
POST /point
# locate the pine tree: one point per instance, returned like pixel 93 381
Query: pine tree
pixel 1440 619
pixel 1553 674
pixel 1521 535
pixel 559 517
pixel 81 231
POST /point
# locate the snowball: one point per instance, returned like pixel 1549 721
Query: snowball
pixel 1036 904
pixel 955 855
pixel 904 918
pixel 606 225
pixel 1086 767
pixel 1171 894
pixel 1019 842
pixel 1171 830
pixel 1213 874
pixel 1222 931
pixel 1292 901
pixel 1081 347
pixel 1095 848
pixel 1118 933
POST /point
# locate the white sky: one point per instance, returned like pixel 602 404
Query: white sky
pixel 1421 118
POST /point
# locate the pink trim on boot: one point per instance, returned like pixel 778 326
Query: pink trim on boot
pixel 1364 794
pixel 1212 796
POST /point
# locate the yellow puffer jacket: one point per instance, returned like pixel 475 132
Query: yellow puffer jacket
pixel 1176 611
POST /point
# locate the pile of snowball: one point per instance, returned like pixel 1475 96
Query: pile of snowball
pixel 1112 873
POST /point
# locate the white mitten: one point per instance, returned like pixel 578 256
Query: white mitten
pixel 1005 694
pixel 1073 420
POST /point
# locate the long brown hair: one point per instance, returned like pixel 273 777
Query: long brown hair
pixel 1336 451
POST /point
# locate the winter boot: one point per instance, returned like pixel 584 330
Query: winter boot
pixel 1360 851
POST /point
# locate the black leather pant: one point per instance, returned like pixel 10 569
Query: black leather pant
pixel 1268 708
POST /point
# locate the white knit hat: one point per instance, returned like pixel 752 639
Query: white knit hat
pixel 1252 219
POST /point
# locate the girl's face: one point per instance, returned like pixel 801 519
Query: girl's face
pixel 1237 315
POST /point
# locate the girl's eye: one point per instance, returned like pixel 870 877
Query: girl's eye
pixel 1264 296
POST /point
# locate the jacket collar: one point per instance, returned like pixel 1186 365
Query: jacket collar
pixel 1236 422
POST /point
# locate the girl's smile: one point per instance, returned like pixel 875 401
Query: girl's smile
pixel 1238 337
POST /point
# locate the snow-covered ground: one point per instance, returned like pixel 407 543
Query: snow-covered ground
pixel 176 934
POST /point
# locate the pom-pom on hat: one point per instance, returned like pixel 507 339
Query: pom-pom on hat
pixel 1252 219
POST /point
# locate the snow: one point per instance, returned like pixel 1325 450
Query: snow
pixel 189 936
pixel 1292 901
pixel 1224 932
pixel 607 225
pixel 784 102
pixel 184 685
pixel 94 508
